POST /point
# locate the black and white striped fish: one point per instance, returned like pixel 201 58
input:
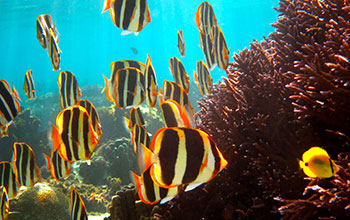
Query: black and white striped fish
pixel 208 50
pixel 24 164
pixel 136 117
pixel 77 206
pixel 53 50
pixel 129 15
pixel 8 179
pixel 58 167
pixel 178 71
pixel 151 87
pixel 203 78
pixel 9 106
pixel 183 156
pixel 68 89
pixel 174 115
pixel 29 86
pixel 43 25
pixel 221 51
pixel 205 17
pixel 95 119
pixel 4 204
pixel 181 43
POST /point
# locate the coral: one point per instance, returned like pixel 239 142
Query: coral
pixel 25 128
pixel 40 202
pixel 325 198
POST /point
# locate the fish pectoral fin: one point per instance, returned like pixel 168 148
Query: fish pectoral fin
pixel 192 186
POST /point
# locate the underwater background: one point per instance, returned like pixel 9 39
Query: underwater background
pixel 285 92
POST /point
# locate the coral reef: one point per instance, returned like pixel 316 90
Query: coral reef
pixel 25 128
pixel 280 97
pixel 40 202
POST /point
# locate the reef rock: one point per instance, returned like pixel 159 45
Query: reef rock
pixel 41 202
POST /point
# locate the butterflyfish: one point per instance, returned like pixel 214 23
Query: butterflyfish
pixel 178 71
pixel 149 192
pixel 8 179
pixel 129 15
pixel 317 163
pixel 203 78
pixel 53 50
pixel 183 156
pixel 58 167
pixel 205 17
pixel 24 164
pixel 151 87
pixel 136 117
pixel 74 135
pixel 77 206
pixel 9 106
pixel 69 90
pixel 174 115
pixel 181 43
pixel 29 86
pixel 43 25
pixel 95 119
pixel 221 51
pixel 208 50
pixel 4 204
pixel 139 135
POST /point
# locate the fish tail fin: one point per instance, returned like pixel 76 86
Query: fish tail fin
pixel 145 156
pixel 136 180
pixel 106 84
pixel 47 160
pixel 106 5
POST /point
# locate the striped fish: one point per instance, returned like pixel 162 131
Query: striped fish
pixel 151 87
pixel 24 164
pixel 203 78
pixel 8 179
pixel 53 50
pixel 181 43
pixel 77 206
pixel 178 71
pixel 174 115
pixel 205 17
pixel 126 89
pixel 58 167
pixel 172 90
pixel 29 86
pixel 68 88
pixel 9 106
pixel 74 137
pixel 220 48
pixel 129 15
pixel 183 156
pixel 139 135
pixel 136 117
pixel 4 204
pixel 207 47
pixel 43 25
pixel 151 193
pixel 93 115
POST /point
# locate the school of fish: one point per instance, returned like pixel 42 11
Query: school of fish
pixel 177 157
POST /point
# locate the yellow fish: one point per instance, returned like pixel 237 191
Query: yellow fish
pixel 317 163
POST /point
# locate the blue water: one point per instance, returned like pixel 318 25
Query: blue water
pixel 90 41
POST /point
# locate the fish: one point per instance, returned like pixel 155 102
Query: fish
pixel 43 25
pixel 151 87
pixel 53 50
pixel 205 17
pixel 134 50
pixel 178 71
pixel 8 179
pixel 129 15
pixel 4 204
pixel 203 78
pixel 9 106
pixel 58 167
pixel 74 137
pixel 181 43
pixel 183 156
pixel 207 48
pixel 139 135
pixel 220 49
pixel 29 86
pixel 173 115
pixel 77 206
pixel 24 165
pixel 317 163
pixel 172 90
pixel 68 88
pixel 126 89
pixel 90 108
pixel 136 117
pixel 151 193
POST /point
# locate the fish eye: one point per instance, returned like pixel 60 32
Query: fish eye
pixel 306 164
